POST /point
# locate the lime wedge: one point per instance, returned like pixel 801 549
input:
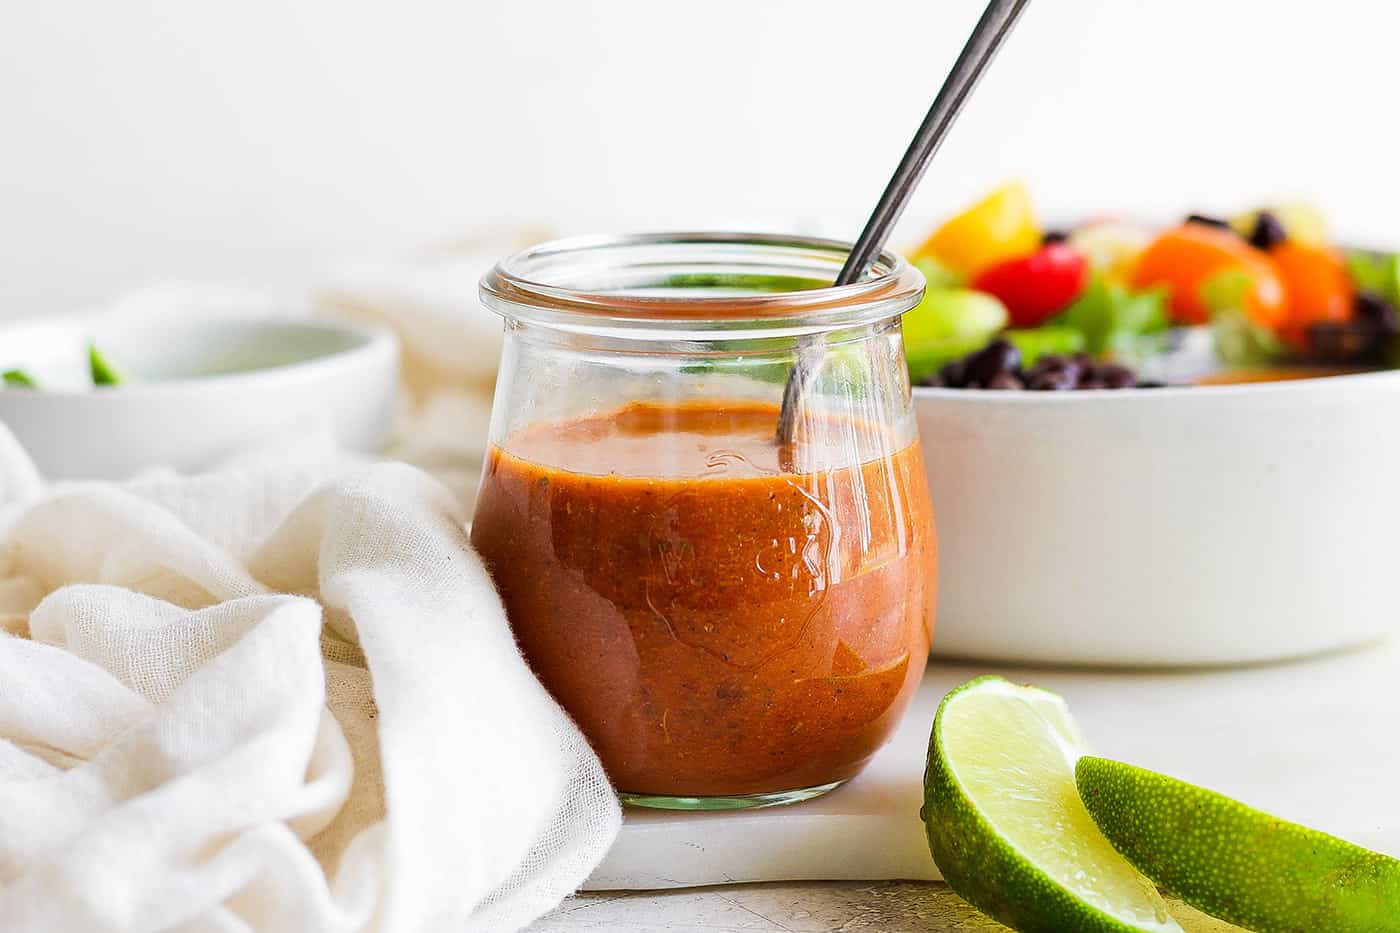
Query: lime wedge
pixel 1238 863
pixel 1005 822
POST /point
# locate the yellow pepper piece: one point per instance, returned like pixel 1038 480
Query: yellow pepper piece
pixel 999 227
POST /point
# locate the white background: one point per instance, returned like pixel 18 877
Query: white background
pixel 263 140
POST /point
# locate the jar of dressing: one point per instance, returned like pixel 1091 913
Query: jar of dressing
pixel 732 619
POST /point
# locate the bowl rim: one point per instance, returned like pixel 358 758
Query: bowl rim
pixel 1308 384
pixel 370 341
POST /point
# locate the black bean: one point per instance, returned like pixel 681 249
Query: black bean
pixel 1117 377
pixel 1268 231
pixel 1005 381
pixel 1062 367
pixel 999 366
pixel 1376 311
pixel 999 356
pixel 1344 341
pixel 1208 221
pixel 1054 381
pixel 954 374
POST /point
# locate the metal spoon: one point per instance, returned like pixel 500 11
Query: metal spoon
pixel 987 36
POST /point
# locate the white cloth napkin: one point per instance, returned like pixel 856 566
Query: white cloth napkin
pixel 279 697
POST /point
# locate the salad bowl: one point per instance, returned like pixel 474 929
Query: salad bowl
pixel 1198 525
pixel 1225 489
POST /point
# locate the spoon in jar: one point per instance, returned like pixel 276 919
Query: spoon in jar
pixel 987 37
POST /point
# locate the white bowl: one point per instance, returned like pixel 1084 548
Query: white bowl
pixel 1178 526
pixel 202 390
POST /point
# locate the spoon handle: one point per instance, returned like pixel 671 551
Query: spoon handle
pixel 987 37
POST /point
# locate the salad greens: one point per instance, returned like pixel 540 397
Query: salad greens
pixel 1034 342
pixel 103 372
pixel 1116 321
pixel 1271 288
pixel 100 370
pixel 1108 319
pixel 1378 273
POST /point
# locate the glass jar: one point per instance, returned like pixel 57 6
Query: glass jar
pixel 732 620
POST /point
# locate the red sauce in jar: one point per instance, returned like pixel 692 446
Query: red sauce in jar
pixel 716 626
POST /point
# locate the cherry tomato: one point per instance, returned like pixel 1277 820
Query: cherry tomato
pixel 1185 258
pixel 1319 287
pixel 1001 226
pixel 1037 287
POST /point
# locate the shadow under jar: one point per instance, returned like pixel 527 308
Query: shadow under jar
pixel 731 621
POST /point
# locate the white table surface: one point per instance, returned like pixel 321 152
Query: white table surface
pixel 1312 741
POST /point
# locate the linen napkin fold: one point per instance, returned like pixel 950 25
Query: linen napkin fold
pixel 275 698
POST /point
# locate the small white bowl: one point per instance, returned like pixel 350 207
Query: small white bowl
pixel 203 389
pixel 1179 526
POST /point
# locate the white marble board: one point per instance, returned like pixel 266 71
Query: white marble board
pixel 1314 741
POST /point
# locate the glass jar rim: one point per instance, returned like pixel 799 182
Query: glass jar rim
pixel 675 282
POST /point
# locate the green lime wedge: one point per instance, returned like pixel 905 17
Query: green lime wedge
pixel 1238 863
pixel 1005 822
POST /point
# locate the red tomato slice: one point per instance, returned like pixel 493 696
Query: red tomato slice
pixel 1035 288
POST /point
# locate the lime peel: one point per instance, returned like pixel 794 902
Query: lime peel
pixel 1238 863
pixel 1005 823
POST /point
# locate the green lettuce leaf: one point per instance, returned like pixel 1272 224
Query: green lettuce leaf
pixel 1035 342
pixel 1116 321
pixel 1375 272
